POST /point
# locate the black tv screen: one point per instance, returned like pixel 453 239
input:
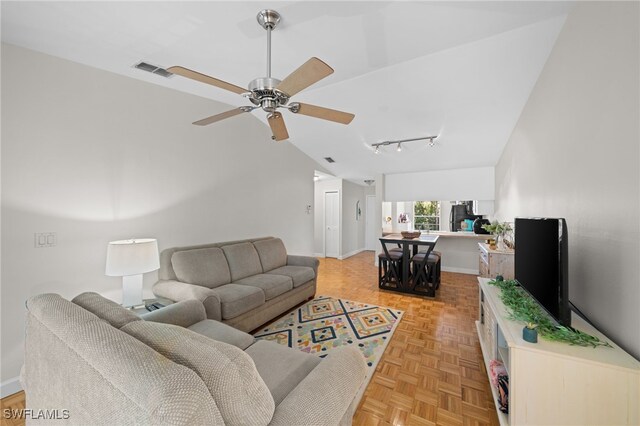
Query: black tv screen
pixel 542 264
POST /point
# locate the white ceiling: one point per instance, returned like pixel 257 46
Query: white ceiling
pixel 461 70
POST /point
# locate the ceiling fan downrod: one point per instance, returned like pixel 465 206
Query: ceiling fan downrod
pixel 268 19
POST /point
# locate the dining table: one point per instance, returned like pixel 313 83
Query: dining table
pixel 410 247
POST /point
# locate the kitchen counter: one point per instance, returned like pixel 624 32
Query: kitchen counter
pixel 459 250
pixel 449 234
pixel 460 234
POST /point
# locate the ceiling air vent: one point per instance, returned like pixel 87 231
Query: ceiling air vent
pixel 329 160
pixel 154 69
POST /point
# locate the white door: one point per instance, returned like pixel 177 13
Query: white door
pixel 331 224
pixel 370 225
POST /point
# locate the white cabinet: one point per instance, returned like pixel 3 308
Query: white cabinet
pixel 495 262
pixel 483 207
pixel 553 383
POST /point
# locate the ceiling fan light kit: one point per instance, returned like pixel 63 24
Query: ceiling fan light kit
pixel 377 145
pixel 270 93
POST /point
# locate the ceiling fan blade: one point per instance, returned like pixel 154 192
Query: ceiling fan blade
pixel 276 122
pixel 218 117
pixel 308 73
pixel 203 78
pixel 323 113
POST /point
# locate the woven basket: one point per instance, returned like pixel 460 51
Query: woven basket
pixel 410 234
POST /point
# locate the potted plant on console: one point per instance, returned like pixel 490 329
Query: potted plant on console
pixel 529 333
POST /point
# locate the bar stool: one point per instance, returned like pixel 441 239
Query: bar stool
pixel 389 269
pixel 426 272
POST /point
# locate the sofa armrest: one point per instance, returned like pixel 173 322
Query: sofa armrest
pixel 179 291
pixel 335 381
pixel 184 314
pixel 309 261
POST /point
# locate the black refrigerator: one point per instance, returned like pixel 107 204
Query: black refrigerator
pixel 460 212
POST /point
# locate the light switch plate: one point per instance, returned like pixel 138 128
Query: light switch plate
pixel 45 239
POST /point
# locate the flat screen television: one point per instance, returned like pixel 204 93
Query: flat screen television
pixel 542 264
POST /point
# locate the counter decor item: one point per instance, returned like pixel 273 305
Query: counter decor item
pixel 499 230
pixel 529 333
pixel 410 234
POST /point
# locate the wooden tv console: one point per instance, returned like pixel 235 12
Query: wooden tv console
pixel 552 383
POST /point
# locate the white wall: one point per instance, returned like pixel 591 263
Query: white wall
pixel 574 153
pixel 352 230
pixel 96 157
pixel 459 184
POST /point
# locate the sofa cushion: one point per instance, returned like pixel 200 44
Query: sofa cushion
pixel 299 274
pixel 223 333
pixel 229 373
pixel 280 367
pixel 237 299
pixel 207 267
pixel 272 285
pixel 272 253
pixel 106 309
pixel 243 260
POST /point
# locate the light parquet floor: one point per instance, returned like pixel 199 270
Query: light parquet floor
pixel 432 371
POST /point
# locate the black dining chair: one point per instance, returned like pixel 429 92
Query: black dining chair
pixel 425 273
pixel 390 269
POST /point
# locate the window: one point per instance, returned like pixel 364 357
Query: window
pixel 427 215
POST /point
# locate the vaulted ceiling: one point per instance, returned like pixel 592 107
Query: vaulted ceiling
pixel 459 70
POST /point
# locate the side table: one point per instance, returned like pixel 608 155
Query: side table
pixel 142 309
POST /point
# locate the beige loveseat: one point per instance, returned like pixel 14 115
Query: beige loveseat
pixel 242 283
pixel 97 363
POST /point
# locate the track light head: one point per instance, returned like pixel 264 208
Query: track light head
pixel 399 147
pixel 377 151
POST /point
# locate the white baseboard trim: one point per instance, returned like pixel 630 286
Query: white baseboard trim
pixel 320 255
pixel 353 253
pixel 9 387
pixel 460 270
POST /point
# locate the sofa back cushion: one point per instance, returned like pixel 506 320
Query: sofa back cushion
pixel 207 267
pixel 243 260
pixel 228 372
pixel 272 253
pixel 106 309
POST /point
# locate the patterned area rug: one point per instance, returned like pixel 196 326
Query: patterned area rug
pixel 325 323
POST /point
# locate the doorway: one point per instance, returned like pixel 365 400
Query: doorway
pixel 331 224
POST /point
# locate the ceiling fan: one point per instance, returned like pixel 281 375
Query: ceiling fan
pixel 269 93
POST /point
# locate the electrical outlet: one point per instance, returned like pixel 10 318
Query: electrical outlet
pixel 45 239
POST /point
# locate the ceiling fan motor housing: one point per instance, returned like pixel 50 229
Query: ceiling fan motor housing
pixel 264 94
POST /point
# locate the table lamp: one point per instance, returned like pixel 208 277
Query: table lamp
pixel 130 259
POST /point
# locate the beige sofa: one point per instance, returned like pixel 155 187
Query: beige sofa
pixel 98 363
pixel 242 283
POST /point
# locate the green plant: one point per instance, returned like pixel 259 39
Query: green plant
pixel 531 325
pixel 524 308
pixel 497 228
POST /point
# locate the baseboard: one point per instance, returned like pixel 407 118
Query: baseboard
pixel 9 387
pixel 353 253
pixel 460 270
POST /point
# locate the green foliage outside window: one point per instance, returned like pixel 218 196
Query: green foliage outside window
pixel 427 215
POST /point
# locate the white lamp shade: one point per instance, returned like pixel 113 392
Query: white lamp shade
pixel 132 257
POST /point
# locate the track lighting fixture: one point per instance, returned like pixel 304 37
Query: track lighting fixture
pixel 377 145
